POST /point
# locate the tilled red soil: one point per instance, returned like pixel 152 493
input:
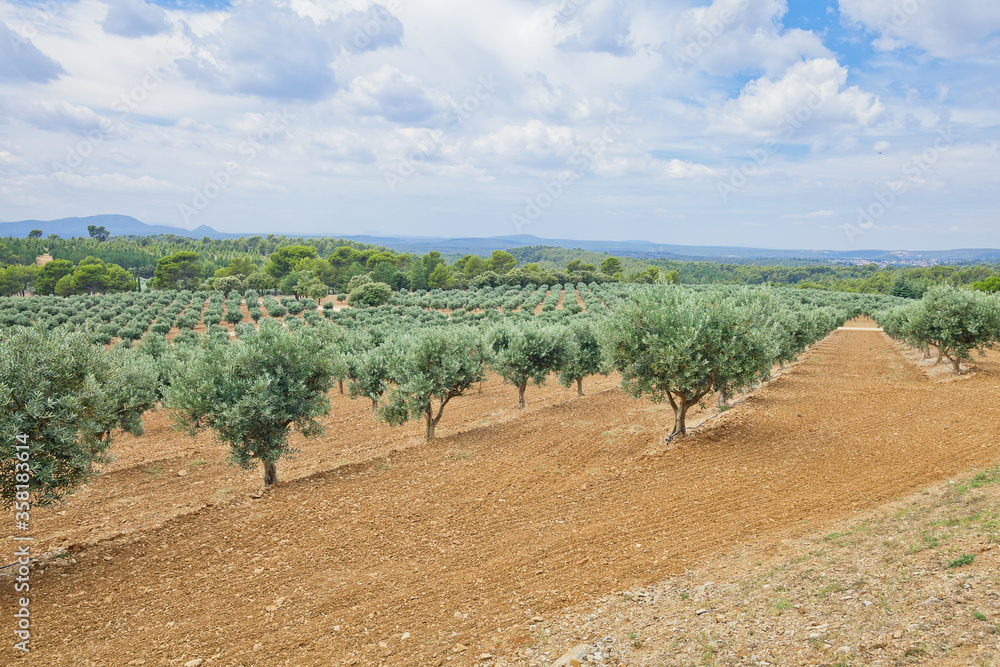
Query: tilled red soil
pixel 445 551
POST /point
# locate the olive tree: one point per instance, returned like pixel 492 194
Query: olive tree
pixel 670 344
pixel 582 359
pixel 528 353
pixel 131 385
pixel 62 397
pixel 432 365
pixel 370 294
pixel 340 345
pixel 251 392
pixel 368 374
pixel 956 321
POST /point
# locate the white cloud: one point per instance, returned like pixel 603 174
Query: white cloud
pixel 271 51
pixel 134 18
pixel 57 116
pixel 346 145
pixel 680 169
pixel 533 143
pixel 188 123
pixel 7 158
pixel 558 102
pixel 824 213
pixel 596 25
pixel 396 96
pixel 731 36
pixel 110 182
pixel 808 98
pixel 943 28
pixel 21 60
pixel 647 166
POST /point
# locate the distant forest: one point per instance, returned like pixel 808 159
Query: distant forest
pixel 536 264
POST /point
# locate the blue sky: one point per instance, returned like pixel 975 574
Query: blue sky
pixel 825 124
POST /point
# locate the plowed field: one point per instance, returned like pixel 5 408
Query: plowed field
pixel 445 551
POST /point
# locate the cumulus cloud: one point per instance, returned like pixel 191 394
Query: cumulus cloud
pixel 650 166
pixel 57 116
pixel 561 102
pixel 942 28
pixel 533 143
pixel 272 51
pixel 20 60
pixel 731 36
pixel 368 30
pixel 596 25
pixel 8 159
pixel 345 145
pixel 808 98
pixel 680 169
pixel 134 18
pixel 396 96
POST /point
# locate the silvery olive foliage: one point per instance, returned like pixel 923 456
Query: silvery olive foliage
pixel 429 368
pixel 68 396
pixel 956 321
pixel 253 391
pixel 671 344
pixel 528 352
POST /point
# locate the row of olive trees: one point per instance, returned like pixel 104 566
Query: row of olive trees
pixel 956 321
pixel 668 343
pixel 68 395
pixel 370 361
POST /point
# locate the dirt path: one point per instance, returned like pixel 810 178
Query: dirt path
pixel 458 544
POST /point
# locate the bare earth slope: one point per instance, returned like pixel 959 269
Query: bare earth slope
pixel 448 550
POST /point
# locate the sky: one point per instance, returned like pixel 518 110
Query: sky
pixel 816 124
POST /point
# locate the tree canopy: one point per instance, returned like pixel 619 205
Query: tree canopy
pixel 670 344
pixel 433 365
pixel 65 396
pixel 253 391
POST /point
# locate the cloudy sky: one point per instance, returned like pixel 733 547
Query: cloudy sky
pixel 825 124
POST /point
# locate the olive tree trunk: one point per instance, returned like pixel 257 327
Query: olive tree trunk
pixel 579 386
pixel 680 417
pixel 520 396
pixel 680 403
pixel 270 473
pixel 432 419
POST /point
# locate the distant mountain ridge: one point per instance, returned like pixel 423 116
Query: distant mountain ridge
pixel 123 225
pixel 118 225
